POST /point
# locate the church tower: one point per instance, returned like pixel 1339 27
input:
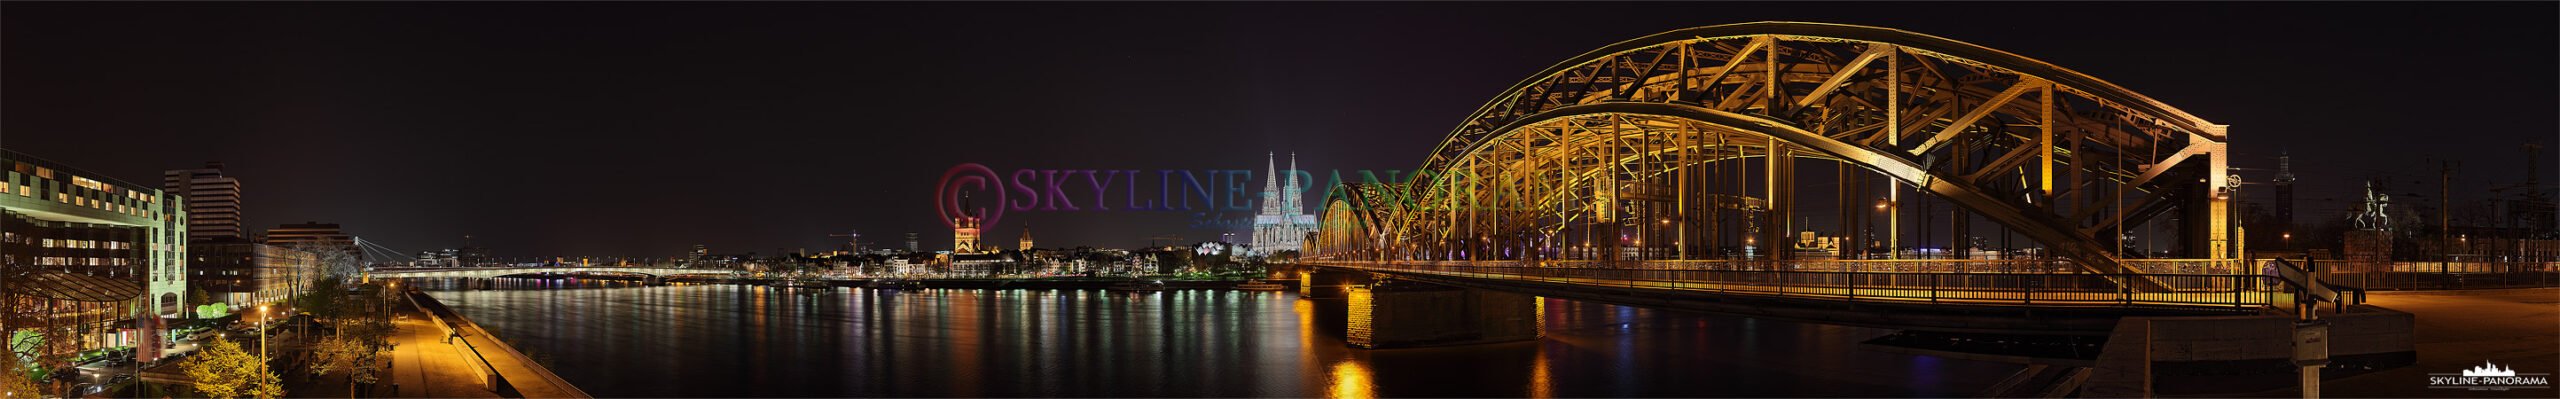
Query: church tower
pixel 1026 236
pixel 964 229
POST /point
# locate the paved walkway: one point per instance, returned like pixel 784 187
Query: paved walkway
pixel 425 366
pixel 2515 328
pixel 419 361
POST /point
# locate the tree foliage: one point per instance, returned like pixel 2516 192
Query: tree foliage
pixel 39 344
pixel 18 378
pixel 326 300
pixel 356 346
pixel 223 370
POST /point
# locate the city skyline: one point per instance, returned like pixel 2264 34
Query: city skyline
pixel 539 129
pixel 1535 200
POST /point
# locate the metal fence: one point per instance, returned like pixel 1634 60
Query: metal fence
pixel 1866 282
pixel 2444 280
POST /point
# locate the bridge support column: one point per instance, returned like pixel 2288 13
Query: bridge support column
pixel 1323 283
pixel 1402 314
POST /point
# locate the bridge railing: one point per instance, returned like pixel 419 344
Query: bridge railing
pixel 1861 284
pixel 2041 266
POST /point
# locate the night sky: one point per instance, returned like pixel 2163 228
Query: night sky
pixel 642 129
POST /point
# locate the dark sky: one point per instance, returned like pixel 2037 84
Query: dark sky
pixel 641 129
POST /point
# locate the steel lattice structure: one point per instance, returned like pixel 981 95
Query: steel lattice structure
pixel 1683 142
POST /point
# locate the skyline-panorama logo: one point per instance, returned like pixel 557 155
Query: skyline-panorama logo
pixel 2489 377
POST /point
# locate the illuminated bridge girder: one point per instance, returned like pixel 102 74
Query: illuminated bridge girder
pixel 2063 158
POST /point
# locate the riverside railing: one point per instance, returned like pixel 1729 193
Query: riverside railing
pixel 1866 280
pixel 2443 275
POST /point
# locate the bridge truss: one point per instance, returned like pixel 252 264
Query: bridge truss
pixel 1685 146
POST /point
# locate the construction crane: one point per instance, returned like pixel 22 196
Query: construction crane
pixel 852 238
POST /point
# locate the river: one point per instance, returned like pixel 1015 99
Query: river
pixel 619 339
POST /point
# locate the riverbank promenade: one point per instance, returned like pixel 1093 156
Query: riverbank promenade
pixel 427 367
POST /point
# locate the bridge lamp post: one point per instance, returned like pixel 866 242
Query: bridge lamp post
pixel 1893 227
pixel 262 341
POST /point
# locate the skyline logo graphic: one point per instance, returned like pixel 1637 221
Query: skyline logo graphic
pixel 978 191
pixel 2489 377
pixel 2488 369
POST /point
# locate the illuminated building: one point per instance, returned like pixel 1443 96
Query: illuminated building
pixel 1026 237
pixel 964 231
pixel 438 258
pixel 244 274
pixel 213 203
pixel 311 234
pixel 81 245
pixel 1283 223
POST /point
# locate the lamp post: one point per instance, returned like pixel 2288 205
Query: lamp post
pixel 386 299
pixel 262 343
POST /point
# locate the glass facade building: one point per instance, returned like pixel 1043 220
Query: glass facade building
pixel 60 224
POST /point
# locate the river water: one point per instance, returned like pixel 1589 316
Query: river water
pixel 618 339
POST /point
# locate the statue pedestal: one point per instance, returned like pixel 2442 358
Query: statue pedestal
pixel 2367 251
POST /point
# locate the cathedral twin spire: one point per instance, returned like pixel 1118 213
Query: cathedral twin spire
pixel 1283 222
pixel 1278 199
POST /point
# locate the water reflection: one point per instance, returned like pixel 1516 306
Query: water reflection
pixel 1350 379
pixel 620 340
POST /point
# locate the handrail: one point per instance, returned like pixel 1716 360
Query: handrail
pixel 2028 289
pixel 2303 280
pixel 2308 282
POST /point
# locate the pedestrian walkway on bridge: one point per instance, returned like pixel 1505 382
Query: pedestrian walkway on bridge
pixel 2008 286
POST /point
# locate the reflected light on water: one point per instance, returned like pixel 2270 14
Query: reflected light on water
pixel 747 341
pixel 1351 379
pixel 1538 377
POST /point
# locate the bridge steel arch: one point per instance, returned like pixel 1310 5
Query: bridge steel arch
pixel 1619 137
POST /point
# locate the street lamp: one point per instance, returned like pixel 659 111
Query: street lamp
pixel 262 343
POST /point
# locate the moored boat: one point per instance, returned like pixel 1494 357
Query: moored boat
pixel 1259 285
pixel 1138 286
pixel 801 283
pixel 895 284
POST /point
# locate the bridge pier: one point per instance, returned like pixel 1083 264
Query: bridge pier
pixel 1402 314
pixel 1329 283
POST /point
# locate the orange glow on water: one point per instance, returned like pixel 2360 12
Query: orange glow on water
pixel 1538 376
pixel 1352 380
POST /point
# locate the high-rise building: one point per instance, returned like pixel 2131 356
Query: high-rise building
pixel 213 203
pixel 2284 191
pixel 911 242
pixel 92 243
pixel 312 235
pixel 1283 223
pixel 473 255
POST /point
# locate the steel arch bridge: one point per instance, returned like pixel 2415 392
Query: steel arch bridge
pixel 1683 146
